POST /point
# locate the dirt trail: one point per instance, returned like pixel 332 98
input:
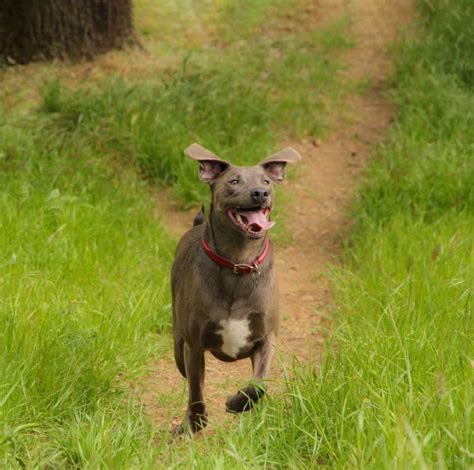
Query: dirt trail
pixel 318 217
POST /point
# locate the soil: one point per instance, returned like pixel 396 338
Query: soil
pixel 318 217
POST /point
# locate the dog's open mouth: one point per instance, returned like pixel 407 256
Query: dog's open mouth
pixel 252 221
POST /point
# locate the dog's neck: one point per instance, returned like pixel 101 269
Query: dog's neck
pixel 231 244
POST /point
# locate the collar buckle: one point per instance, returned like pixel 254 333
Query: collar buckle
pixel 244 268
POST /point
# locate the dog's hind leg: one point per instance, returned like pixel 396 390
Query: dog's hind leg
pixel 196 416
pixel 246 398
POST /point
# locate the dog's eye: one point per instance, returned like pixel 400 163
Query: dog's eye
pixel 266 182
pixel 234 181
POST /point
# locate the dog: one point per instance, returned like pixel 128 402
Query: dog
pixel 224 290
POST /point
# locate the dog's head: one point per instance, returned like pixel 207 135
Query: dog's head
pixel 242 196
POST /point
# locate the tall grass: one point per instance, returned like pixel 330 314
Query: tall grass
pixel 83 286
pixel 451 24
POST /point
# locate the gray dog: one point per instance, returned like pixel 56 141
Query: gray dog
pixel 225 296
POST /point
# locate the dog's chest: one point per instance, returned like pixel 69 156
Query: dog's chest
pixel 233 337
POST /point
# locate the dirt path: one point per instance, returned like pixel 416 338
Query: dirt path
pixel 318 218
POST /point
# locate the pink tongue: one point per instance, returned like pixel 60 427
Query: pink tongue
pixel 257 218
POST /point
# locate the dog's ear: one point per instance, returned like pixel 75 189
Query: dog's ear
pixel 210 165
pixel 275 165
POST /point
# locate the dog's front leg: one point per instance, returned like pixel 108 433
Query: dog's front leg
pixel 196 416
pixel 246 398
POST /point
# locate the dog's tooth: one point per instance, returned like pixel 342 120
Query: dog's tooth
pixel 239 218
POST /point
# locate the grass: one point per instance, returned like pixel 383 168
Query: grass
pixel 83 289
pixel 453 51
pixel 84 260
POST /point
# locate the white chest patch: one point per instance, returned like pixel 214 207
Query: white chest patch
pixel 234 335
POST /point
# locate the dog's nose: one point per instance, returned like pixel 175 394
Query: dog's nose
pixel 259 195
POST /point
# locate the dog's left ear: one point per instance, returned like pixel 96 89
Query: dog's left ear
pixel 275 165
pixel 210 165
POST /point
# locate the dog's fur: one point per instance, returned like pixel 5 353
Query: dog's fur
pixel 234 316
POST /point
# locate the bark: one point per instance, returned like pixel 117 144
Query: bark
pixel 46 29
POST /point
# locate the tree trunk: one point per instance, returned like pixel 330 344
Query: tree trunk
pixel 46 29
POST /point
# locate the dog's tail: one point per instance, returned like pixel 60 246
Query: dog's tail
pixel 199 219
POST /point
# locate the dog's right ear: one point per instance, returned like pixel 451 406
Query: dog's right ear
pixel 210 165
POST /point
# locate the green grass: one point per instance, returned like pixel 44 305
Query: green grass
pixel 451 27
pixel 83 290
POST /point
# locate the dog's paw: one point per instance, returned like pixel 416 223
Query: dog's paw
pixel 244 399
pixel 192 423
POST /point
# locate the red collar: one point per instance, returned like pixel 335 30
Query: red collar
pixel 238 268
